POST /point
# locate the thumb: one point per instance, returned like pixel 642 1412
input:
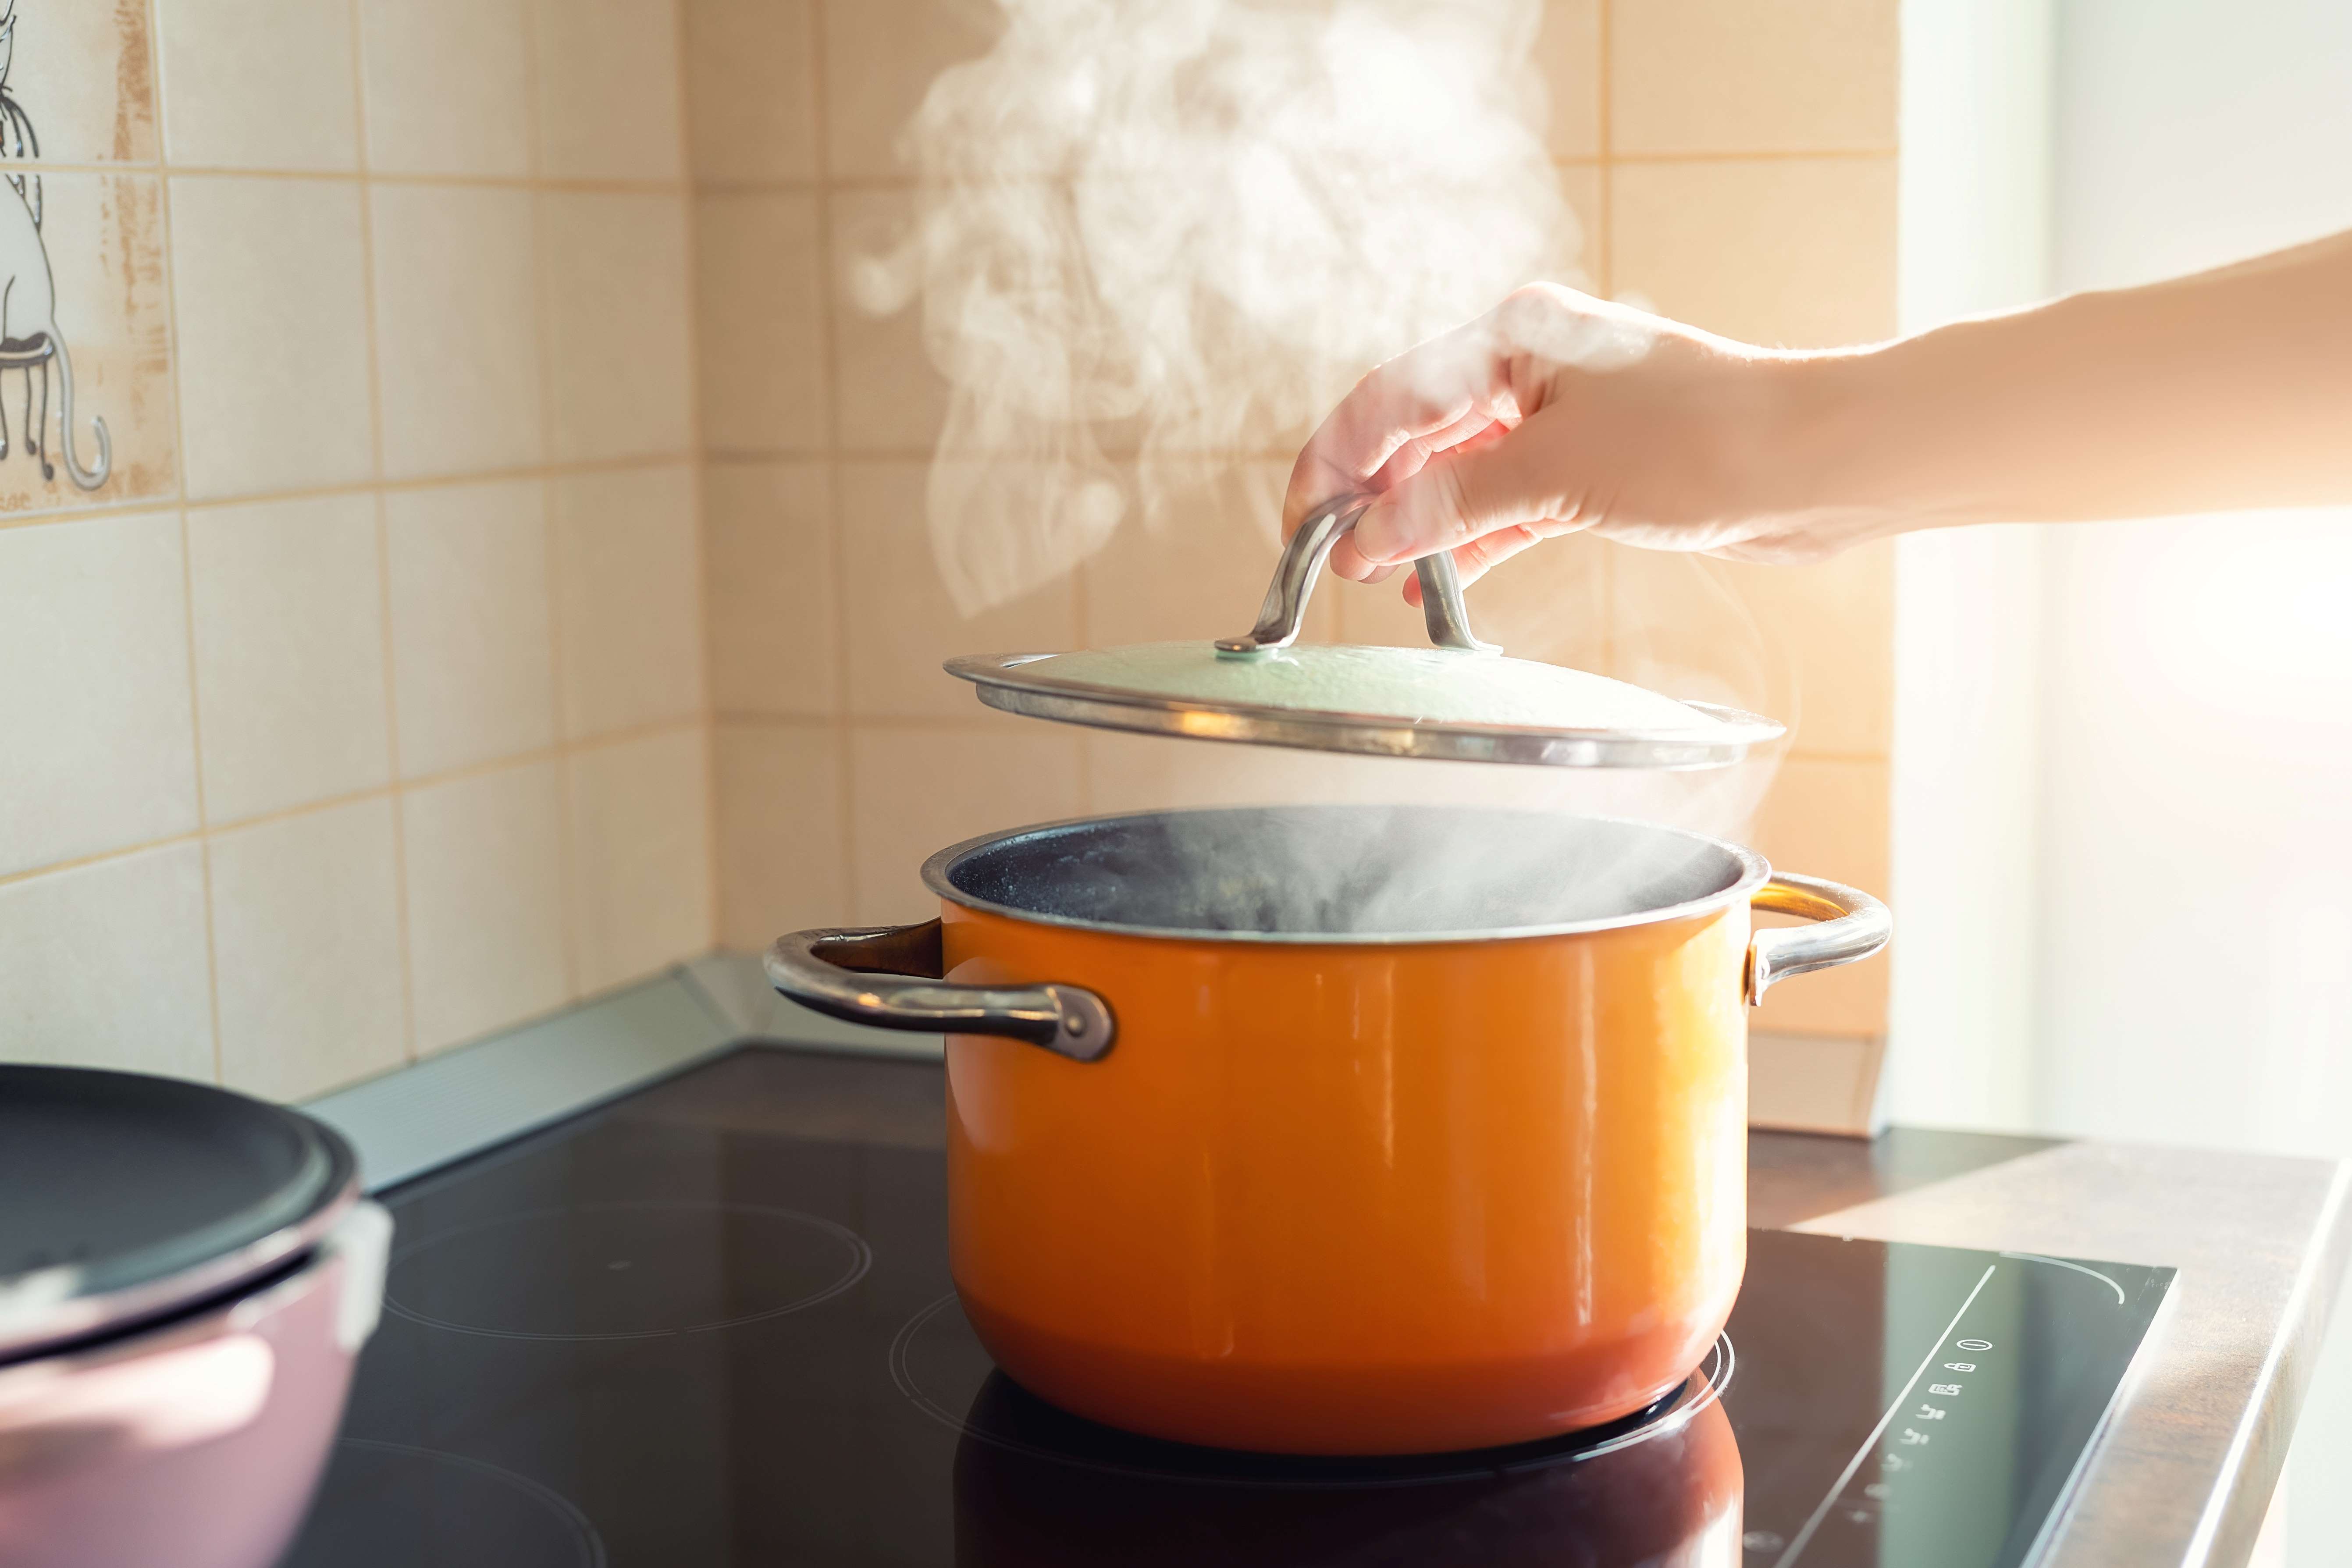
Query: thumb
pixel 1462 495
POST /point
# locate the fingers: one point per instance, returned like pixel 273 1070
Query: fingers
pixel 1481 555
pixel 1465 494
pixel 1417 404
pixel 1346 560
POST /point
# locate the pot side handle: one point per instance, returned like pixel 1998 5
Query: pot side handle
pixel 1854 925
pixel 890 977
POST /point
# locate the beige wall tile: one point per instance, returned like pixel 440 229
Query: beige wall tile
pixel 1568 53
pixel 1795 252
pixel 258 84
pixel 627 598
pixel 271 311
pixel 901 622
pixel 887 396
pixel 103 238
pixel 472 674
pixel 289 624
pixel 306 951
pixel 879 60
pixel 1550 603
pixel 105 965
pixel 483 856
pixel 1836 623
pixel 758 292
pixel 1811 1083
pixel 1156 772
pixel 617 296
pixel 1579 186
pixel 1812 647
pixel 456 323
pixel 918 788
pixel 1375 613
pixel 750 97
pixel 100 748
pixel 96 69
pixel 640 856
pixel 449 86
pixel 608 83
pixel 1144 772
pixel 783 859
pixel 1688 626
pixel 1201 569
pixel 1829 819
pixel 1737 76
pixel 769 588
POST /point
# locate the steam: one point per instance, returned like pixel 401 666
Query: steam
pixel 1151 244
pixel 1155 233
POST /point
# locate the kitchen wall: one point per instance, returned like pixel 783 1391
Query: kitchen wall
pixel 360 708
pixel 510 575
pixel 1730 164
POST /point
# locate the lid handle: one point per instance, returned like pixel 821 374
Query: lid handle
pixel 1285 610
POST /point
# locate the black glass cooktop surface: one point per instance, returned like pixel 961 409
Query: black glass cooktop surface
pixel 712 1324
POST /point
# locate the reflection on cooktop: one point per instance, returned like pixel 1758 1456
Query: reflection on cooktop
pixel 939 1363
pixel 698 1327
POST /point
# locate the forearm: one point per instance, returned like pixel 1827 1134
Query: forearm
pixel 2223 390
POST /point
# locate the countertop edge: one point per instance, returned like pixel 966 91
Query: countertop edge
pixel 2258 1448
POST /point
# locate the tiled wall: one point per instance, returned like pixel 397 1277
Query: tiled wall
pixel 1732 164
pixel 360 710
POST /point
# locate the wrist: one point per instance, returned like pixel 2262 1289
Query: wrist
pixel 1844 444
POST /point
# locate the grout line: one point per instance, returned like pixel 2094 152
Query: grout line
pixel 744 718
pixel 710 857
pixel 1605 278
pixel 383 537
pixel 164 501
pixel 844 733
pixel 568 875
pixel 178 499
pixel 102 857
pixel 218 830
pixel 843 184
pixel 982 721
pixel 1761 155
pixel 581 186
pixel 894 183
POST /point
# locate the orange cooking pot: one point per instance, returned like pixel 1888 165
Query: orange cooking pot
pixel 1342 1130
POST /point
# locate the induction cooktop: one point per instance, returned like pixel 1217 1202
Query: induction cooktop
pixel 712 1324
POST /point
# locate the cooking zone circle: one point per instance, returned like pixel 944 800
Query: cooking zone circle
pixel 624 1271
pixel 940 1365
pixel 391 1504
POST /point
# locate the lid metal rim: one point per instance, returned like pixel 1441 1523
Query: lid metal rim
pixel 1753 872
pixel 77 1320
pixel 1041 696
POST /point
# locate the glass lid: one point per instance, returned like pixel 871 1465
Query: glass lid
pixel 1459 699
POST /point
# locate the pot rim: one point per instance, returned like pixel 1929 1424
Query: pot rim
pixel 84 1305
pixel 1754 871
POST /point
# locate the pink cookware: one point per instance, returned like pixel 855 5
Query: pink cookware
pixel 187 1278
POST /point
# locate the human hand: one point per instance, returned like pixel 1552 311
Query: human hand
pixel 1556 412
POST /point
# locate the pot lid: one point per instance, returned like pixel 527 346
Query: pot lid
pixel 124 1196
pixel 1460 700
